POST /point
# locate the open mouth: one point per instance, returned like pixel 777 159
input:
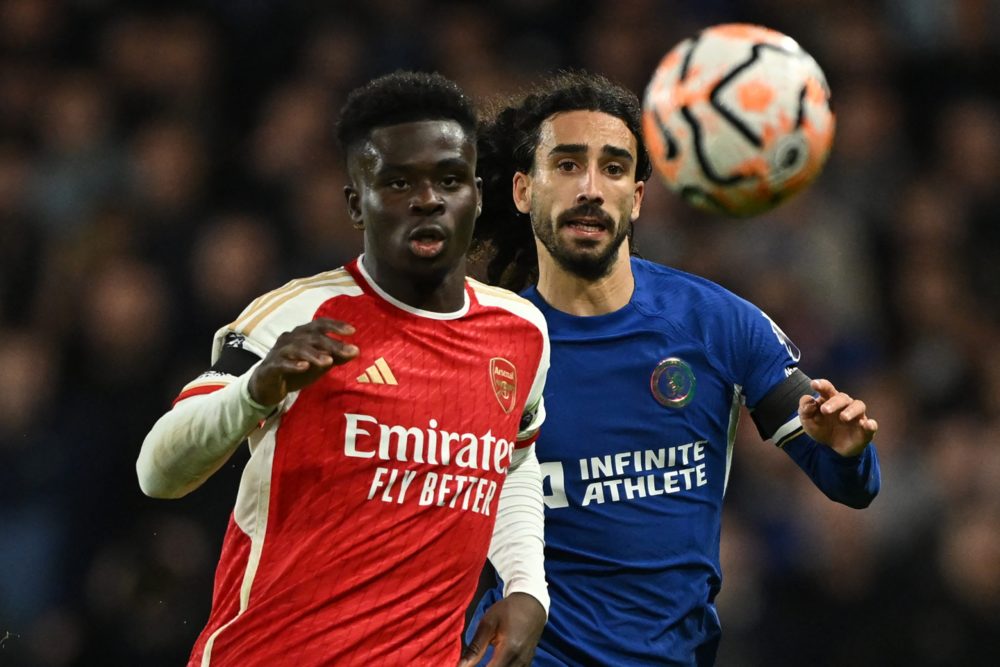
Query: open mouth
pixel 587 227
pixel 427 241
pixel 587 221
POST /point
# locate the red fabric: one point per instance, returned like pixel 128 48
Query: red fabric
pixel 197 391
pixel 354 571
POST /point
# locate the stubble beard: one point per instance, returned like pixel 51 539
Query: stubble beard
pixel 586 264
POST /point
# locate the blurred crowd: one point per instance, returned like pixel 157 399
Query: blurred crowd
pixel 162 164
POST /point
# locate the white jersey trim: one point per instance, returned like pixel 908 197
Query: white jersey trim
pixel 429 314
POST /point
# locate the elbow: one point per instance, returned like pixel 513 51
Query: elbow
pixel 156 489
pixel 858 501
pixel 157 486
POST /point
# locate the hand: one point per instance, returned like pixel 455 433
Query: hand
pixel 836 420
pixel 299 357
pixel 513 626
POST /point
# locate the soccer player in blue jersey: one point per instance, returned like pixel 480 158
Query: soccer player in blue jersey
pixel 649 368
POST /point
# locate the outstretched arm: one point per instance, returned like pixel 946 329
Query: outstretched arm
pixel 194 439
pixel 836 449
pixel 828 434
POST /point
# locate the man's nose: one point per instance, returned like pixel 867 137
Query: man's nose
pixel 426 200
pixel 590 188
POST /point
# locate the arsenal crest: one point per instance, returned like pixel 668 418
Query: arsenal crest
pixel 503 377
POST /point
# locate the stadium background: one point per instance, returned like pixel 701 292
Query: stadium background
pixel 161 167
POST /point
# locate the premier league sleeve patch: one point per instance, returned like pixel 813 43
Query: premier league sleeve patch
pixel 234 358
pixel 672 383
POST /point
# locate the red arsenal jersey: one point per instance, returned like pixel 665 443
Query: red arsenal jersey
pixel 365 512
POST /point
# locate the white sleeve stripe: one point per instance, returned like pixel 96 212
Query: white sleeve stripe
pixel 791 429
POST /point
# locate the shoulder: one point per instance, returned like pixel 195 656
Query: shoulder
pixel 490 296
pixel 290 305
pixel 660 287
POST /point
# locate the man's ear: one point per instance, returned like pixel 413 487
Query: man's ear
pixel 522 191
pixel 354 206
pixel 637 194
pixel 479 196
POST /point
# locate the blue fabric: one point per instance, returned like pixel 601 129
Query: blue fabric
pixel 635 462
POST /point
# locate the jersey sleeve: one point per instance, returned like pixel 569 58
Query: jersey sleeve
pixel 765 362
pixel 246 340
pixel 518 544
pixel 233 354
pixel 764 355
pixel 534 407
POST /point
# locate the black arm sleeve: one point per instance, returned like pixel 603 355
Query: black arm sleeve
pixel 774 409
pixel 234 361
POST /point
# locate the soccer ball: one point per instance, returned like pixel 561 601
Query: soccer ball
pixel 737 119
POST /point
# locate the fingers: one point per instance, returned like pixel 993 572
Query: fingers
pixel 870 426
pixel 311 346
pixel 832 402
pixel 299 357
pixel 848 410
pixel 823 387
pixel 327 325
pixel 476 649
pixel 473 654
pixel 808 406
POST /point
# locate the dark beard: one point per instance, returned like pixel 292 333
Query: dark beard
pixel 588 267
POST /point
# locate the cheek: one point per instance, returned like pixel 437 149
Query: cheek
pixel 625 203
pixel 545 202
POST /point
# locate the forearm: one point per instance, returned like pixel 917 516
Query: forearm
pixel 851 480
pixel 517 549
pixel 195 438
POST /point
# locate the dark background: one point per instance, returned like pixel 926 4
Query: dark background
pixel 160 168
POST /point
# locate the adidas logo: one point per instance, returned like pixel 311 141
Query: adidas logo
pixel 378 373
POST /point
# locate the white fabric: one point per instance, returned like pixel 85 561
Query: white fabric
pixel 196 437
pixel 517 548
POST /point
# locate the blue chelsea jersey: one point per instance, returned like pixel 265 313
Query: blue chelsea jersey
pixel 642 406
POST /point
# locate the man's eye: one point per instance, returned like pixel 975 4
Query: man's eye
pixel 615 170
pixel 397 184
pixel 566 165
pixel 449 181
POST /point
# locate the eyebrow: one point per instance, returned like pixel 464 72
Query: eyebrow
pixel 608 149
pixel 455 163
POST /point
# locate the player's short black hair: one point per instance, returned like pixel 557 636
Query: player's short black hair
pixel 403 97
pixel 508 141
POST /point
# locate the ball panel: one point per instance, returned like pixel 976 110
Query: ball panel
pixel 737 119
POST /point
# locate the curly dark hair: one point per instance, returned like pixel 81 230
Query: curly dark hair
pixel 503 239
pixel 403 97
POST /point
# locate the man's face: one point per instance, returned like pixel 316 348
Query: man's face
pixel 414 188
pixel 582 193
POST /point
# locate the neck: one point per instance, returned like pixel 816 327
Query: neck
pixel 574 295
pixel 438 292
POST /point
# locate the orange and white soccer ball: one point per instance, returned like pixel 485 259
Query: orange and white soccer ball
pixel 737 119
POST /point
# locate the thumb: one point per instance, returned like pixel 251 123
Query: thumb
pixel 481 640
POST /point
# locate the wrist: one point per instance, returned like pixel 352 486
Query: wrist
pixel 251 393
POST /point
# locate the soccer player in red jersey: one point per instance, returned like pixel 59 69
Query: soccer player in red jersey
pixel 391 407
